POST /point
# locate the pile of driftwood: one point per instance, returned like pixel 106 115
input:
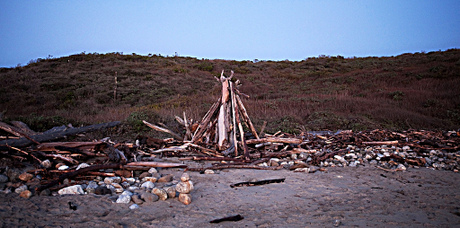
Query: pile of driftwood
pixel 216 142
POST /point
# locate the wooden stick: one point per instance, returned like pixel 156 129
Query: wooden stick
pixel 246 117
pixel 202 127
pixel 234 167
pixel 243 140
pixel 157 128
pixel 19 150
pixel 188 133
pixel 157 164
pixel 234 116
pixel 274 140
pixel 381 143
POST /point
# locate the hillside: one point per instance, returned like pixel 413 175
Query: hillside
pixel 420 91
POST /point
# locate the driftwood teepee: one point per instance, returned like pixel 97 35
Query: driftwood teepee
pixel 222 124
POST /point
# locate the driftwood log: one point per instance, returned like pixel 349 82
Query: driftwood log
pixel 52 135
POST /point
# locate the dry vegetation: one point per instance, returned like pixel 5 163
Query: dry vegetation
pixel 420 91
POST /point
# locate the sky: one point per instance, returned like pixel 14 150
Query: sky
pixel 232 30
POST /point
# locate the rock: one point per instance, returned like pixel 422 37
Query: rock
pixel 125 184
pixel 171 191
pixel 101 190
pixel 75 189
pixel 123 173
pixel 26 194
pixel 161 193
pixel 185 198
pixel 148 185
pixel 131 180
pixel 20 189
pixel 185 177
pixel 124 198
pixel 92 185
pixel 144 174
pixel 137 199
pixel 166 178
pixel 184 187
pixel 132 188
pixel 110 180
pixel 134 206
pixel 307 170
pixel 118 187
pixel 46 164
pixel 151 179
pixel 63 167
pixel 82 165
pixel 209 171
pixel 3 178
pixel 152 170
pixel 26 177
pixel 339 158
pixel 401 167
pixel 149 197
pixel 127 193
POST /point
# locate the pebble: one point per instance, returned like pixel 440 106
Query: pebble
pixel 149 197
pixel 75 189
pixel 184 187
pixel 185 177
pixel 166 178
pixel 171 191
pixel 144 174
pixel 134 206
pixel 185 198
pixel 137 199
pixel 110 180
pixel 148 185
pixel 209 171
pixel 152 170
pixel 25 177
pixel 26 194
pixel 82 165
pixel 20 189
pixel 118 187
pixel 151 179
pixel 102 190
pixel 131 180
pixel 161 193
pixel 124 198
pixel 46 164
pixel 63 167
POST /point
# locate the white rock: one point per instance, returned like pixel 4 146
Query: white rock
pixel 124 198
pixel 184 187
pixel 110 180
pixel 209 171
pixel 148 185
pixel 20 189
pixel 153 170
pixel 132 188
pixel 401 167
pixel 82 165
pixel 131 180
pixel 134 206
pixel 127 193
pixel 63 167
pixel 75 189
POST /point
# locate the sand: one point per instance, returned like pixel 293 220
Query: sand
pixel 345 197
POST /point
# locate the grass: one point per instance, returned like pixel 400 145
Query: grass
pixel 420 90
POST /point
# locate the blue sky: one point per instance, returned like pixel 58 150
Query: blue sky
pixel 239 30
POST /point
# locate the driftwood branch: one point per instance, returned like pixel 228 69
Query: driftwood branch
pixel 157 128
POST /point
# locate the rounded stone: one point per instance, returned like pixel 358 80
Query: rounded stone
pixel 20 189
pixel 46 164
pixel 134 206
pixel 209 171
pixel 149 197
pixel 166 178
pixel 75 189
pixel 124 198
pixel 148 185
pixel 185 198
pixel 152 170
pixel 26 194
pixel 25 177
pixel 151 179
pixel 184 187
pixel 137 199
pixel 161 193
pixel 185 177
pixel 171 191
